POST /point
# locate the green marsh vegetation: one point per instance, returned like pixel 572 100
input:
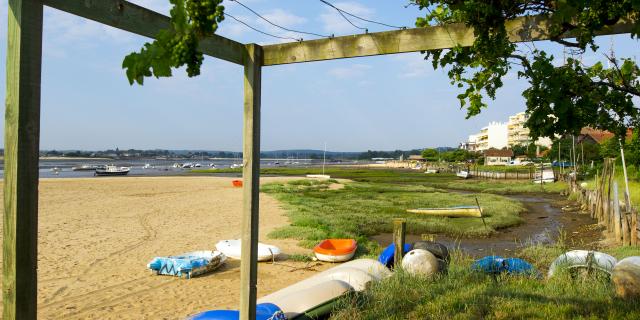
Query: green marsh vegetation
pixel 363 209
pixel 464 294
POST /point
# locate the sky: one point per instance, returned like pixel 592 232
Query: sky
pixel 373 103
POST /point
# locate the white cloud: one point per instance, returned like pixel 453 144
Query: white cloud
pixel 414 65
pixel 334 23
pixel 352 71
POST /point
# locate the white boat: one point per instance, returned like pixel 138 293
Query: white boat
pixel 432 171
pixel 311 296
pixel 112 170
pixel 232 249
pixel 187 165
pixel 197 165
pixel 464 174
pixel 236 166
pixel 176 165
pixel 212 165
pixel 319 176
pixel 147 166
pixel 583 260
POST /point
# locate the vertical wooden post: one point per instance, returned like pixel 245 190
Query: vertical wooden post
pixel 634 227
pixel 617 220
pixel 251 181
pixel 399 229
pixel 22 144
pixel 626 231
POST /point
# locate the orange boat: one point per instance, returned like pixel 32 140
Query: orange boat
pixel 237 183
pixel 336 250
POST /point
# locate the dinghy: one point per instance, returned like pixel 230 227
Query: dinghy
pixel 497 264
pixel 626 277
pixel 387 255
pixel 232 249
pixel 319 176
pixel 335 250
pixel 264 311
pixel 577 260
pixel 188 264
pixel 315 297
pixel 459 211
pixel 237 183
pixel 463 174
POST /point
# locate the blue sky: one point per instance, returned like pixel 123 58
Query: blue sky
pixel 378 103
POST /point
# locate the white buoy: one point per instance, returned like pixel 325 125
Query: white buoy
pixel 420 262
pixel 626 277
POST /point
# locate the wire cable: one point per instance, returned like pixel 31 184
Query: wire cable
pixel 260 31
pixel 361 18
pixel 279 26
pixel 345 17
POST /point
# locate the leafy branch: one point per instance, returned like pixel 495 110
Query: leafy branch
pixel 191 21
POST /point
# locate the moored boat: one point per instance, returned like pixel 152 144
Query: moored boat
pixel 88 167
pixel 112 171
pixel 463 174
pixel 335 250
pixel 459 211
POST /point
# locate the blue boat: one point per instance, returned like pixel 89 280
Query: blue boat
pixel 386 257
pixel 188 264
pixel 497 264
pixel 264 311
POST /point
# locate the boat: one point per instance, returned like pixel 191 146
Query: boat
pixel 237 183
pixel 212 165
pixel 236 166
pixel 112 171
pixel 88 167
pixel 464 174
pixel 497 264
pixel 626 277
pixel 197 165
pixel 459 211
pixel 315 297
pixel 232 249
pixel 147 166
pixel 335 250
pixel 176 165
pixel 264 311
pixel 319 176
pixel 187 165
pixel 188 264
pixel 430 171
pixel 583 260
pixel 388 254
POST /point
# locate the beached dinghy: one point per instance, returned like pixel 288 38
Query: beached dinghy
pixel 264 311
pixel 577 260
pixel 335 250
pixel 315 296
pixel 188 264
pixel 497 264
pixel 626 277
pixel 459 211
pixel 232 249
pixel 387 255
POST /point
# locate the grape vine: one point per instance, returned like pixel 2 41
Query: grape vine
pixel 191 21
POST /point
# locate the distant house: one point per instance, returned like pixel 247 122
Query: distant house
pixel 497 157
pixel 590 135
pixel 416 157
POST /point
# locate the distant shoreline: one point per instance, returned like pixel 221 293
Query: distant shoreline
pixel 72 158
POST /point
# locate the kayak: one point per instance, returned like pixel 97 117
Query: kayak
pixel 459 211
pixel 188 264
pixel 232 249
pixel 264 311
pixel 316 296
pixel 335 250
pixel 387 255
pixel 626 277
pixel 583 260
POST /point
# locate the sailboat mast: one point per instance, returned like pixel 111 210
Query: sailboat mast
pixel 324 157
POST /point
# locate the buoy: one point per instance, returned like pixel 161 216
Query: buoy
pixel 626 277
pixel 420 262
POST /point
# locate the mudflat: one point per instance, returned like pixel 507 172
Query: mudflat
pixel 96 236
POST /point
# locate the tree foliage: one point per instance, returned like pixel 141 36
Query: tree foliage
pixel 561 99
pixel 191 21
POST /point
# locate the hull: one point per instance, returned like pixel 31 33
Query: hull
pixel 319 176
pixel 107 173
pixel 335 250
pixel 450 212
pixel 188 264
pixel 232 249
pixel 463 175
pixel 583 260
pixel 335 258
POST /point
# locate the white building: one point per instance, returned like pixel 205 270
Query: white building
pixel 495 135
pixel 519 134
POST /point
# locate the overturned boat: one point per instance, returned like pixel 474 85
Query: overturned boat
pixel 188 264
pixel 459 211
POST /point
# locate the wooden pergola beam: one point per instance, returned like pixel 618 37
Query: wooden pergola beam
pixel 522 29
pixel 139 20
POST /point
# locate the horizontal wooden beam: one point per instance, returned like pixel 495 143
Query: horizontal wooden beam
pixel 411 40
pixel 133 18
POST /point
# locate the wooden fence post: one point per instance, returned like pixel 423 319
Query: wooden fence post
pixel 634 227
pixel 251 181
pixel 22 144
pixel 617 221
pixel 399 229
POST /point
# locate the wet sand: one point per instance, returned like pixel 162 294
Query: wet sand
pixel 96 236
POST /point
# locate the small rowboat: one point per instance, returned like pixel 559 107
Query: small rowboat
pixel 237 183
pixel 460 211
pixel 335 250
pixel 233 250
pixel 188 264
pixel 583 260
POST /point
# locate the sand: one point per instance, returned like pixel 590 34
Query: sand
pixel 97 235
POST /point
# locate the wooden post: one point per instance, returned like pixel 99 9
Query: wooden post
pixel 626 231
pixel 634 227
pixel 399 229
pixel 251 181
pixel 22 144
pixel 617 221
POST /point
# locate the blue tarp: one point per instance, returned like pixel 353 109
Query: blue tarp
pixel 264 311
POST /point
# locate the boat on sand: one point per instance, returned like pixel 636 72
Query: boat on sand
pixel 188 264
pixel 459 211
pixel 232 249
pixel 335 250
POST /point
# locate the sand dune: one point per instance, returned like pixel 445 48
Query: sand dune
pixel 96 236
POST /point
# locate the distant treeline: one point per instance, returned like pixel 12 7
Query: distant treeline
pixel 197 154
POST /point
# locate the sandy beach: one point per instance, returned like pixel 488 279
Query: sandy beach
pixel 96 236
